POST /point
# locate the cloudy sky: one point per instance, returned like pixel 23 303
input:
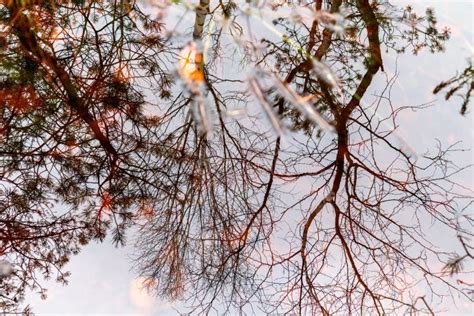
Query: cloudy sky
pixel 102 281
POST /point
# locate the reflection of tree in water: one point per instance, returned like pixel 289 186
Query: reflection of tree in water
pixel 461 85
pixel 87 150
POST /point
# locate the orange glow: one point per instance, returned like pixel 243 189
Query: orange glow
pixel 55 34
pixel 139 295
pixel 21 99
pixel 146 210
pixel 190 64
pixel 105 205
pixel 122 74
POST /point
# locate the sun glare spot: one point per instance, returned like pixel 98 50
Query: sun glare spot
pixel 190 64
pixel 139 295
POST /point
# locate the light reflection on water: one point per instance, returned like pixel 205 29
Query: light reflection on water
pixel 417 76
